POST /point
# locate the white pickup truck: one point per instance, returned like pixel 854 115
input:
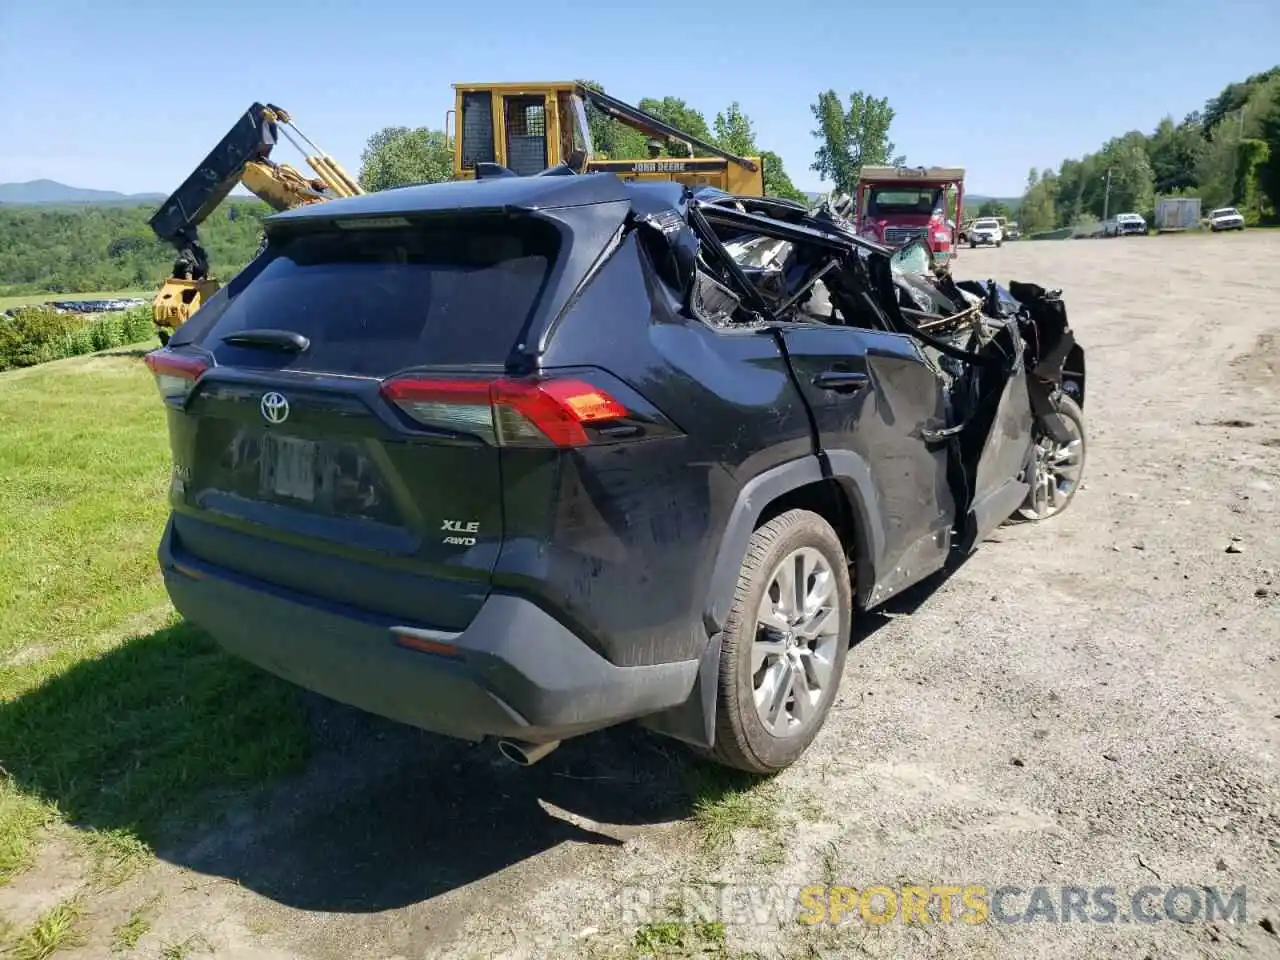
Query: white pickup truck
pixel 1225 218
pixel 985 230
pixel 1126 225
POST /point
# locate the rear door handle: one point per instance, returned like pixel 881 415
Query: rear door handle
pixel 841 381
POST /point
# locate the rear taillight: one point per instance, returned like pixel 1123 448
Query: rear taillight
pixel 175 373
pixel 508 412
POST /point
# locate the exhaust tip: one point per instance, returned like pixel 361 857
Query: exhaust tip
pixel 524 754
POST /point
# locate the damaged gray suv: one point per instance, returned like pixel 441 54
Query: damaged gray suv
pixel 525 457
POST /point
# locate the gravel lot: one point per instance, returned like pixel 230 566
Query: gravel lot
pixel 1090 702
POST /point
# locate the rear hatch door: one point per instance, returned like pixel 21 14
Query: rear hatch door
pixel 293 466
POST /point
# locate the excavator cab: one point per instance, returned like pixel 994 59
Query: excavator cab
pixel 526 128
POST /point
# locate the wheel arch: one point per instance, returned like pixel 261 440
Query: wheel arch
pixel 838 488
pixel 1073 372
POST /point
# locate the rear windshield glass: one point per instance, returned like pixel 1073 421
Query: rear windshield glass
pixel 373 301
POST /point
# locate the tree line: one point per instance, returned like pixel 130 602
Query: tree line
pixel 848 136
pixel 79 249
pixel 1227 154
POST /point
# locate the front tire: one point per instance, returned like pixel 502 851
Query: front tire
pixel 784 644
pixel 1056 469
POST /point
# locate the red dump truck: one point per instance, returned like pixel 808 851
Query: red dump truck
pixel 898 204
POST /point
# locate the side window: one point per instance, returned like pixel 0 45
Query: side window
pixel 526 120
pixel 476 125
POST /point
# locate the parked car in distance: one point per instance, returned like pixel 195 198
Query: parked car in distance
pixel 986 230
pixel 1125 225
pixel 1013 231
pixel 1225 218
pixel 526 457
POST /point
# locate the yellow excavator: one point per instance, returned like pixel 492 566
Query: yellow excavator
pixel 243 156
pixel 502 129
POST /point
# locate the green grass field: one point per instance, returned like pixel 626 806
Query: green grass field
pixel 117 720
pixel 27 299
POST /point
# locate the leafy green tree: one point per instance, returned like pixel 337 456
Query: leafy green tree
pixel 1233 98
pixel 1250 156
pixel 397 156
pixel 850 139
pixel 1037 211
pixel 776 181
pixel 1132 184
pixel 676 113
pixel 1071 181
pixel 1215 171
pixel 1174 152
pixel 993 208
pixel 734 131
pixel 609 138
pixel 1268 169
pixel 83 249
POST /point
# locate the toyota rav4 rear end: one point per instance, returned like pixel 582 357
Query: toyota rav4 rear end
pixel 368 471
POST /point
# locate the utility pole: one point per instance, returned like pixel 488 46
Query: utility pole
pixel 1106 197
pixel 1235 154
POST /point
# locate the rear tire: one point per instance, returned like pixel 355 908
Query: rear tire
pixel 783 649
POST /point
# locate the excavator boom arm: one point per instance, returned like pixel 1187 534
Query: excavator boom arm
pixel 242 156
pixel 251 139
pixel 637 119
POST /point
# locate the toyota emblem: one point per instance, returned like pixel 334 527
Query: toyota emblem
pixel 274 407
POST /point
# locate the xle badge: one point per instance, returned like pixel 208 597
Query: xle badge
pixel 455 527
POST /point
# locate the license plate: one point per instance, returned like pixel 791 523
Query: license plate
pixel 291 467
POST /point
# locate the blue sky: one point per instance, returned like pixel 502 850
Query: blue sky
pixel 130 95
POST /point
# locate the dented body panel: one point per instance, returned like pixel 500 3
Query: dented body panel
pixel 474 576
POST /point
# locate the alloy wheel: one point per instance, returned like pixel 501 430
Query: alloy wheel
pixel 1056 473
pixel 796 637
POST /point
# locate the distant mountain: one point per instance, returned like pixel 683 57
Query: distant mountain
pixel 51 192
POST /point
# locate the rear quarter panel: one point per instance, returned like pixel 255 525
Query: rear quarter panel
pixel 619 541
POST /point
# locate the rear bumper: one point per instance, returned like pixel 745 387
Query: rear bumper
pixel 517 672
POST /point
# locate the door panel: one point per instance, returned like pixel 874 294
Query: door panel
pixel 997 477
pixel 872 393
